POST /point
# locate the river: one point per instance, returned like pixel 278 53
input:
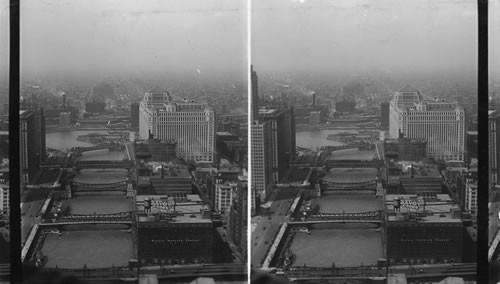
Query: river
pixel 313 139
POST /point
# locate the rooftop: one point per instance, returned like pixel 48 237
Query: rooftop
pixel 428 208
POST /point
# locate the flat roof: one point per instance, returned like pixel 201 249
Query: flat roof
pixel 437 210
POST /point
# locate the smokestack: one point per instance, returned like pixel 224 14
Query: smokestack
pixel 64 102
pixel 314 100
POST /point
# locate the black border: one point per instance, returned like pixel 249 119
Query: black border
pixel 482 97
pixel 14 164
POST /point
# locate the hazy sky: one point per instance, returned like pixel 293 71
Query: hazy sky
pixel 353 35
pixel 494 41
pixel 4 40
pixel 144 35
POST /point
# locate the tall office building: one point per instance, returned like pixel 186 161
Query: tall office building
pixel 440 123
pixel 282 124
pixel 189 123
pixel 493 153
pixel 384 115
pixel 32 140
pixel 255 95
pixel 134 115
pixel 261 160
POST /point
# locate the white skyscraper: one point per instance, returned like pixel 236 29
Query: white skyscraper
pixel 189 123
pixel 440 123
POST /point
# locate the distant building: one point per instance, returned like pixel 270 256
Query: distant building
pixel 315 117
pixel 405 149
pixel 189 123
pixel 95 107
pixel 155 150
pixel 384 115
pixel 423 229
pixel 440 123
pixel 262 155
pixel 494 147
pixel 32 144
pixel 134 115
pixel 4 200
pixel 345 105
pixel 64 118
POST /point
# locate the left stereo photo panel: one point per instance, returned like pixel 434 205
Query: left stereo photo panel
pixel 4 142
pixel 133 137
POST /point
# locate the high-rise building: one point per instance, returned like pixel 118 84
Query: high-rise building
pixel 261 160
pixel 189 123
pixel 282 125
pixel 32 140
pixel 4 200
pixel 493 139
pixel 384 115
pixel 134 115
pixel 440 123
pixel 225 191
pixel 255 95
pixel 237 220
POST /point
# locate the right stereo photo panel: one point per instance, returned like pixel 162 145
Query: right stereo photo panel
pixel 364 141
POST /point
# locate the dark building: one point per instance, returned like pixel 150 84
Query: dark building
pixel 255 95
pixel 493 146
pixel 230 146
pixel 472 144
pixel 161 180
pixel 384 115
pixel 134 115
pixel 345 105
pixel 237 221
pixel 174 231
pixel 423 229
pixel 32 140
pixel 95 107
pixel 155 150
pixel 282 123
pixel 404 149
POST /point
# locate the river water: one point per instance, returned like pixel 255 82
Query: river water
pixel 316 138
pixel 345 247
pixel 95 247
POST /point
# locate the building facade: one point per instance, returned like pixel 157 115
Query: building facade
pixel 261 160
pixel 32 140
pixel 189 123
pixel 282 123
pixel 440 123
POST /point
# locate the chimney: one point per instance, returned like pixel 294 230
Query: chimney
pixel 314 100
pixel 64 102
